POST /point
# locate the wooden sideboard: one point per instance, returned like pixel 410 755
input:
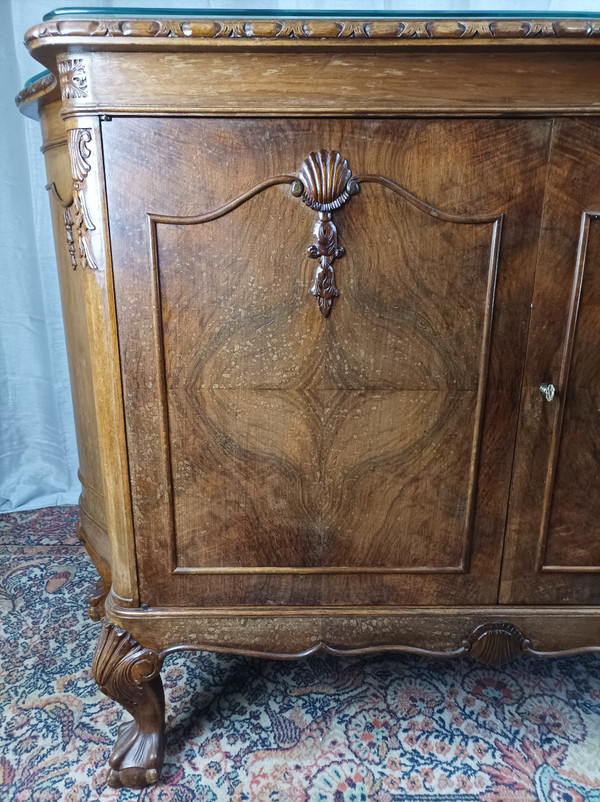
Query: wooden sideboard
pixel 332 302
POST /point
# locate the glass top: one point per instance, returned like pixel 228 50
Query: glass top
pixel 37 77
pixel 584 8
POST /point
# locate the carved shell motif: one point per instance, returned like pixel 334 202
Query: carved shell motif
pixel 496 643
pixel 325 176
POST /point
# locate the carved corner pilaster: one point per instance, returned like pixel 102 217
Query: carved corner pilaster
pixel 496 643
pixel 130 674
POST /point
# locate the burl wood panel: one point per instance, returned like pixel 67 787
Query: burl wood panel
pixel 286 429
pixel 553 539
pixel 361 458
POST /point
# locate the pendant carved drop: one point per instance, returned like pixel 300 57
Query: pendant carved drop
pixel 325 249
pixel 325 184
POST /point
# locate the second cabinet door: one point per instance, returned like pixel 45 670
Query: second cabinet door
pixel 280 456
pixel 553 536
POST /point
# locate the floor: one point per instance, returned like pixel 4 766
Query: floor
pixel 382 728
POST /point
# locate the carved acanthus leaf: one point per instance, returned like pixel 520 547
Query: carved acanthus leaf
pixel 80 219
pixel 325 249
pixel 121 666
pixel 39 87
pixel 69 223
pixel 289 29
pixel 79 153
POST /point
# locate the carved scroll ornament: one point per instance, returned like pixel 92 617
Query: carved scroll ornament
pixel 121 666
pixel 77 219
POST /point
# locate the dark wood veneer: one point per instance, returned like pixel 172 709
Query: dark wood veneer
pixel 283 450
pixel 552 534
pixel 319 371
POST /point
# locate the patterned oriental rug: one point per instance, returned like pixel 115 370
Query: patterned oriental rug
pixel 381 728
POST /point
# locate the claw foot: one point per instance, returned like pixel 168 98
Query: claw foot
pixel 130 675
pixel 137 757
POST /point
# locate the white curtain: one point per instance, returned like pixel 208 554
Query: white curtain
pixel 38 457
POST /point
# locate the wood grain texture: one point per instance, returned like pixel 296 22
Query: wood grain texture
pixel 96 601
pixel 558 494
pixel 292 632
pixel 275 480
pixel 276 430
pixel 552 537
pixel 92 527
pixel 497 642
pixel 277 80
pixel 104 362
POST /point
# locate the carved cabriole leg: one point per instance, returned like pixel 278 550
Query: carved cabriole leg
pixel 130 675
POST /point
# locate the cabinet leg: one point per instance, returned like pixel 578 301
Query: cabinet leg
pixel 98 597
pixel 130 675
pixel 96 601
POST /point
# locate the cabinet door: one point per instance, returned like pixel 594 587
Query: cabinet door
pixel 553 536
pixel 280 456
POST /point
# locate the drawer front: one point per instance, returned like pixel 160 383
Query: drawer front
pixel 296 448
pixel 553 537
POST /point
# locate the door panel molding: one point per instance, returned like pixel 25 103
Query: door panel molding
pixel 329 199
pixel 561 397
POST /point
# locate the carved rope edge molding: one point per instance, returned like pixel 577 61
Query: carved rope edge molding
pixel 439 29
pixel 36 88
